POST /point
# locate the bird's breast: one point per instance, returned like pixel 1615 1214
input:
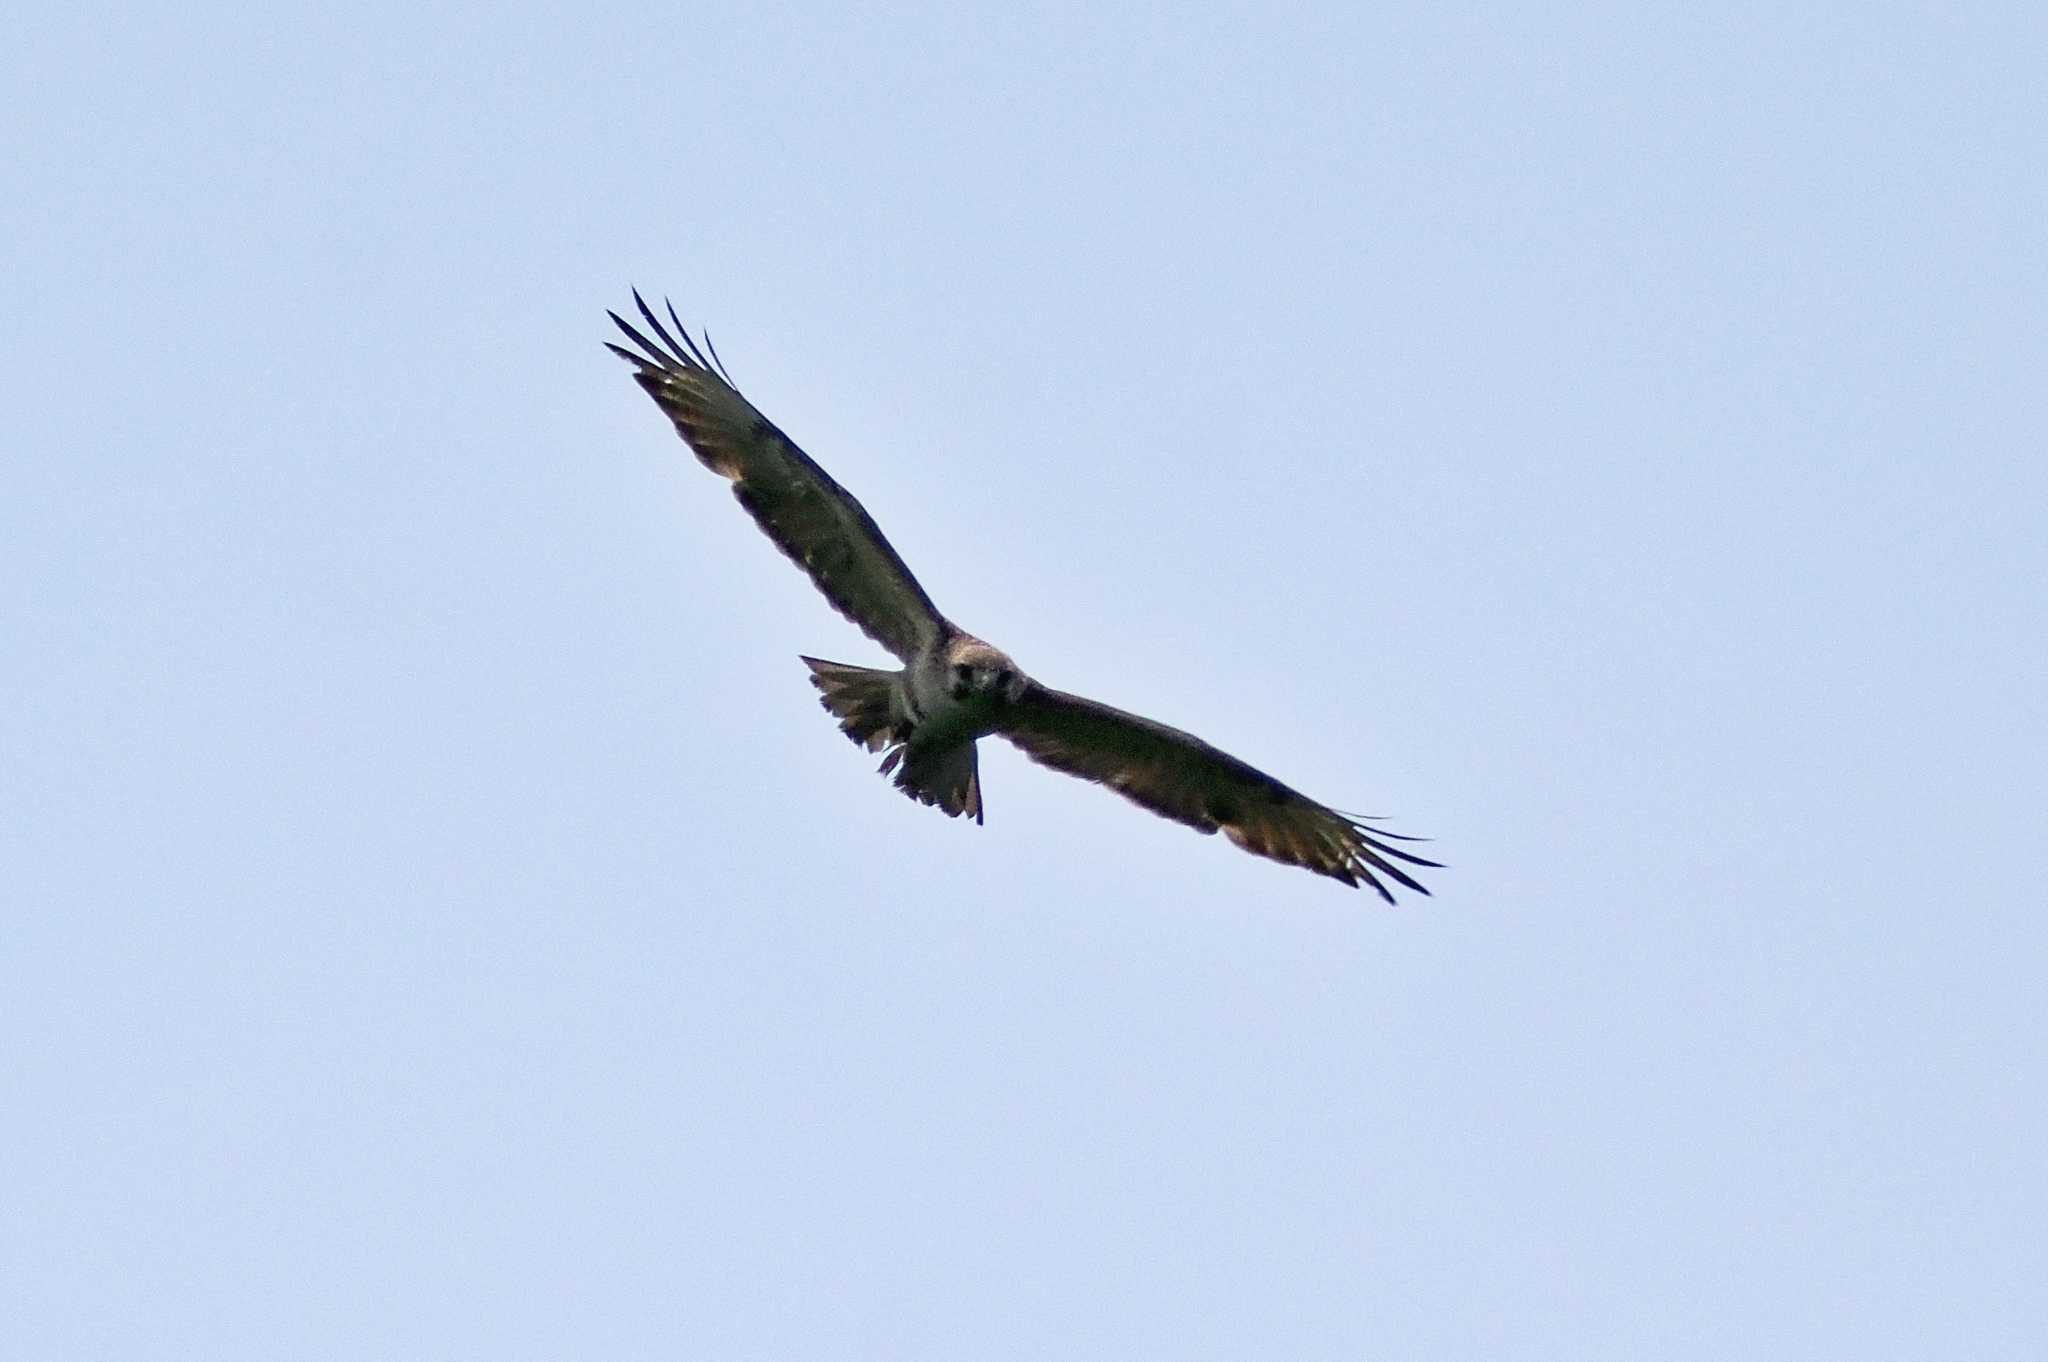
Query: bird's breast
pixel 941 716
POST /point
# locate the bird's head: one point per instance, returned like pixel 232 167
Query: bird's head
pixel 977 669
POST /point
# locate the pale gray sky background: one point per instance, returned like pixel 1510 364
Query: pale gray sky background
pixel 441 924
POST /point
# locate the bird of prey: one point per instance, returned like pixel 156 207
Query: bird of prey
pixel 954 688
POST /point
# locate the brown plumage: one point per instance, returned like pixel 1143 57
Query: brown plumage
pixel 1178 776
pixel 810 517
pixel 954 688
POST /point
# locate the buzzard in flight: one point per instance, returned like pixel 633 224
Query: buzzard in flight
pixel 953 688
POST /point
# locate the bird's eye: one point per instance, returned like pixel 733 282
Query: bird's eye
pixel 962 670
pixel 1003 679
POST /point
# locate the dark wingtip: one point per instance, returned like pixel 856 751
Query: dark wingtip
pixel 1364 821
pixel 684 332
pixel 723 372
pixel 655 357
pixel 1358 874
pixel 623 353
pixel 1374 837
pixel 660 330
pixel 677 350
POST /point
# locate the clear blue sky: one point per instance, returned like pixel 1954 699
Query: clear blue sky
pixel 440 922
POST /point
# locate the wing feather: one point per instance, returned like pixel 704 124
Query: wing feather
pixel 811 518
pixel 1178 776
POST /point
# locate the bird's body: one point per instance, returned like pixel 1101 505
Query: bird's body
pixel 929 714
pixel 960 683
pixel 953 688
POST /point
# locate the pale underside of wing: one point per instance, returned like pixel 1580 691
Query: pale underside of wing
pixel 1178 776
pixel 811 518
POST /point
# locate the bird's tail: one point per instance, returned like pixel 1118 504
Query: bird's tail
pixel 864 701
pixel 948 778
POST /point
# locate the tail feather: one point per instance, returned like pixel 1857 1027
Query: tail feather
pixel 864 701
pixel 948 778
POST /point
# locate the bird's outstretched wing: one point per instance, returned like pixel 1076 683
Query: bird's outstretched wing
pixel 1179 776
pixel 809 516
